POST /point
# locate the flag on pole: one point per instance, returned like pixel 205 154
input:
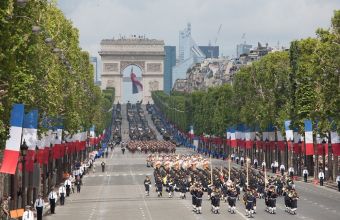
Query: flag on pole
pixel 322 145
pixel 240 138
pixel 11 152
pixel 57 144
pixel 297 140
pixel 271 136
pixel 309 137
pixel 289 131
pixel 136 85
pixel 30 136
pixel 280 141
pixel 233 137
pixel 92 135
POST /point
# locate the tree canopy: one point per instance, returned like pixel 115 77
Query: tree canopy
pixel 43 67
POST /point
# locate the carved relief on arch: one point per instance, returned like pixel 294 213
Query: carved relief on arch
pixel 124 64
pixel 153 85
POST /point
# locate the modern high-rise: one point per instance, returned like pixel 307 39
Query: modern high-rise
pixel 243 49
pixel 210 51
pixel 169 63
pixel 96 76
pixel 188 54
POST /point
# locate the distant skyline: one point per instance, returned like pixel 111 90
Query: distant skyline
pixel 265 21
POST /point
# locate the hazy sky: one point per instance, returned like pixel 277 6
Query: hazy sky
pixel 263 21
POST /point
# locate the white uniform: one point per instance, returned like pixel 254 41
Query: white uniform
pixel 321 175
pixel 28 215
pixel 62 189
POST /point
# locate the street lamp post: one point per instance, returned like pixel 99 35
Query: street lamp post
pixel 23 149
pixel 300 158
pixel 324 156
pixel 265 150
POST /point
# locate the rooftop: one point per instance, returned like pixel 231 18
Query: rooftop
pixel 133 40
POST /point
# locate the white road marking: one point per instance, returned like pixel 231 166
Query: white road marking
pixel 142 193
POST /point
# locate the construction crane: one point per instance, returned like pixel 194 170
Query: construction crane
pixel 244 37
pixel 218 33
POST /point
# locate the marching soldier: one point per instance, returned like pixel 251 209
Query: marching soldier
pixel 293 202
pixel 215 200
pixel 193 192
pixel 159 187
pixel 271 200
pixel 232 195
pixel 249 203
pixel 199 195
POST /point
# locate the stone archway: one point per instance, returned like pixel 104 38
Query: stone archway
pixel 147 54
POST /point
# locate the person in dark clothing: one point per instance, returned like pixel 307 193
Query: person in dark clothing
pixel 103 166
pixel 147 184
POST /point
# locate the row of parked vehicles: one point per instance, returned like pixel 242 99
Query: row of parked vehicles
pixel 165 131
pixel 116 124
pixel 139 128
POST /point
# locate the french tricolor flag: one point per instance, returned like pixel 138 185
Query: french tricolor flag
pixel 48 141
pixel 248 138
pixel 233 137
pixel 271 136
pixel 280 141
pixel 265 136
pixel 92 135
pixel 11 153
pixel 335 140
pixel 297 140
pixel 191 132
pixel 289 131
pixel 58 146
pixel 40 144
pixel 309 137
pixel 30 136
pixel 228 136
pixel 322 148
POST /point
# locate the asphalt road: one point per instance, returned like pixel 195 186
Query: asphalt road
pixel 118 193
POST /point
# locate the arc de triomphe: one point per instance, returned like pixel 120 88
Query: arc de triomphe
pixel 147 54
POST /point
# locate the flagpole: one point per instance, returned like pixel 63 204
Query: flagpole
pixel 229 161
pixel 265 171
pixel 247 172
pixel 211 172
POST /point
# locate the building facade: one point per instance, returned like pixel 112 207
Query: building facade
pixel 139 55
pixel 210 51
pixel 243 49
pixel 169 63
pixel 96 75
pixel 189 54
